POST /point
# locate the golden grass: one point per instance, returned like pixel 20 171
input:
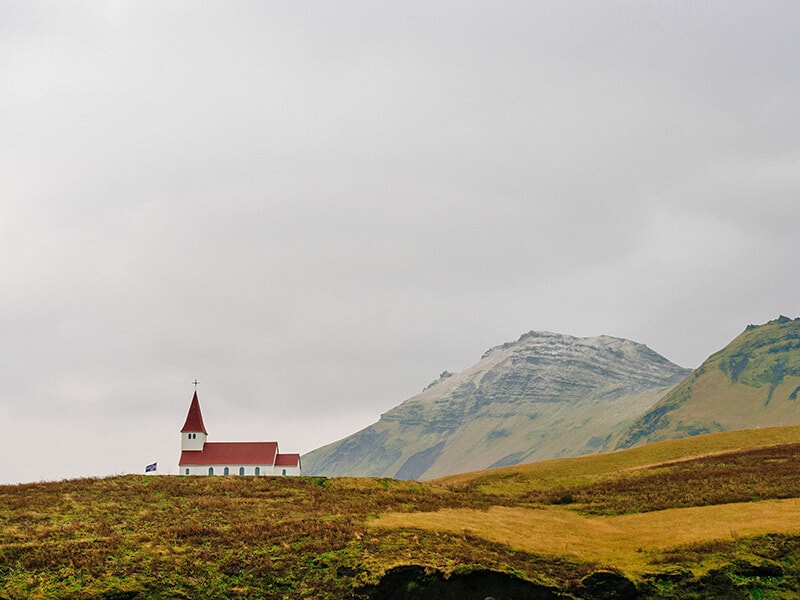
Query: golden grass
pixel 632 543
pixel 314 537
pixel 567 472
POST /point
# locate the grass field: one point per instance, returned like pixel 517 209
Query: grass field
pixel 588 469
pixel 635 510
pixel 689 507
pixel 636 544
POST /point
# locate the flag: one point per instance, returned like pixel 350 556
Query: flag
pixel 150 468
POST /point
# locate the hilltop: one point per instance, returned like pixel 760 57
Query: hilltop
pixel 549 395
pixel 545 395
pixel 713 516
pixel 753 382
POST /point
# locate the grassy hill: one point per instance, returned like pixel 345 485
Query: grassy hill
pixel 705 517
pixel 753 382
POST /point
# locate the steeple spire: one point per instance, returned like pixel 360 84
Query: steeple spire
pixel 194 419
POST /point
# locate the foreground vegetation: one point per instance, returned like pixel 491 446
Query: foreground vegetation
pixel 678 521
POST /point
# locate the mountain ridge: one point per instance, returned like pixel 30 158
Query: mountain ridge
pixel 542 396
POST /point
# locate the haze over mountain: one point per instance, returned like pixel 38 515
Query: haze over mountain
pixel 753 382
pixel 544 396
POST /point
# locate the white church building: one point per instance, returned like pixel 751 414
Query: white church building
pixel 201 457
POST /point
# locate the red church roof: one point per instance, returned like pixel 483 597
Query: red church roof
pixel 194 420
pixel 287 460
pixel 232 453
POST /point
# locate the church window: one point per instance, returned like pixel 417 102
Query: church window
pixel 241 470
pixel 284 472
pixel 210 470
pixel 187 471
pixel 227 471
pixel 258 470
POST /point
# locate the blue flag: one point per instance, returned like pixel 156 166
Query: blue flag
pixel 150 468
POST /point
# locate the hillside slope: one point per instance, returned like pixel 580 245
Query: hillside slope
pixel 753 382
pixel 543 396
pixel 670 520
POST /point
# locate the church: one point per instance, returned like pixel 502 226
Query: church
pixel 201 457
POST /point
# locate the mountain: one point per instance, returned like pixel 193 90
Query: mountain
pixel 546 395
pixel 753 382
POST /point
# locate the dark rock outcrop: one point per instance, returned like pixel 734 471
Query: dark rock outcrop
pixel 412 582
pixel 607 585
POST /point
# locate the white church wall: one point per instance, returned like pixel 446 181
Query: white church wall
pixel 233 470
pixel 193 441
pixel 287 471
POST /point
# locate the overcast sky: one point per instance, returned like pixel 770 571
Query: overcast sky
pixel 314 208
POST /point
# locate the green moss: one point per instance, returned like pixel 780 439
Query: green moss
pixel 762 356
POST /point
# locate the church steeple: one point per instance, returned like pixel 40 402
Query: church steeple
pixel 193 432
pixel 194 420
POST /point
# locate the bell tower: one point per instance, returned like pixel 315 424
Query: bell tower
pixel 193 433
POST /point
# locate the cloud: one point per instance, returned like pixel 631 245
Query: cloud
pixel 315 210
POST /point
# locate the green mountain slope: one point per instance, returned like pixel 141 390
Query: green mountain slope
pixel 753 382
pixel 545 395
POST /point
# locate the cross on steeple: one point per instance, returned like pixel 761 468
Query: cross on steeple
pixel 195 382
